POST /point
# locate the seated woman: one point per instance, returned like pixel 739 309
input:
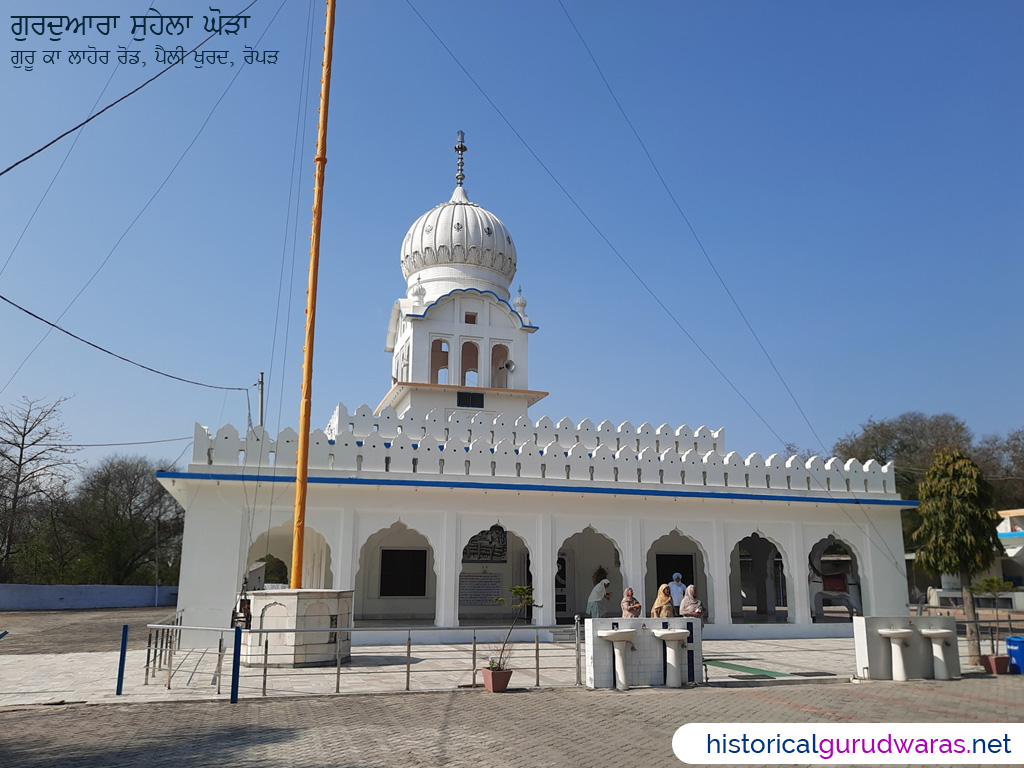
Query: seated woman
pixel 663 608
pixel 690 605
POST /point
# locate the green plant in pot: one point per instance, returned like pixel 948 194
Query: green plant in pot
pixel 497 672
pixel 995 662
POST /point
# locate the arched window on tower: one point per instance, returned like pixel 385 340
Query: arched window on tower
pixel 439 361
pixel 403 366
pixel 499 374
pixel 470 364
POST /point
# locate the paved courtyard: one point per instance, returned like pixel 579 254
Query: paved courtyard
pixel 547 726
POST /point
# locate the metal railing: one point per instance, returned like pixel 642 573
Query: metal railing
pixel 990 631
pixel 164 638
pixel 160 655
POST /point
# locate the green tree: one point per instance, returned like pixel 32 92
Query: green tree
pixel 48 549
pixel 958 528
pixel 128 524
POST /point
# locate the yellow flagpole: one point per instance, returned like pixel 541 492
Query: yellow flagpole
pixel 302 459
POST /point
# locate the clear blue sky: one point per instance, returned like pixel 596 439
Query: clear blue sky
pixel 854 171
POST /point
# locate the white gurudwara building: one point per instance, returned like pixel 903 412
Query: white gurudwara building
pixel 447 492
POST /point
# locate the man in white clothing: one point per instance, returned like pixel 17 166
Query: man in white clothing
pixel 678 589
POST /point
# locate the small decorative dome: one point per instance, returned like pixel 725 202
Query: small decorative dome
pixel 418 292
pixel 520 303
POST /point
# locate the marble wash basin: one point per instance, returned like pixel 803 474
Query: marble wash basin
pixel 895 633
pixel 616 635
pixel 671 634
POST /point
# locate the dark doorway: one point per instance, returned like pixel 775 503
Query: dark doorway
pixel 666 565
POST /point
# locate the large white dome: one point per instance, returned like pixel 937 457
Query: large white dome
pixel 456 245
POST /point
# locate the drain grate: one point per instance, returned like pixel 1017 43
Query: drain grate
pixel 752 677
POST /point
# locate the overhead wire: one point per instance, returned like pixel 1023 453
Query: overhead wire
pixel 594 226
pixel 113 445
pixel 145 207
pixel 895 561
pixel 63 162
pixel 75 336
pixel 291 221
pixel 118 101
pixel 714 269
pixel 177 458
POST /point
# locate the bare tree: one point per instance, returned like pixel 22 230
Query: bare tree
pixel 34 458
pixel 911 440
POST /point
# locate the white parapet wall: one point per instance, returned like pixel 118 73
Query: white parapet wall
pixel 475 448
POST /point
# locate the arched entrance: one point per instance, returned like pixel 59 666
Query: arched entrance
pixel 676 553
pixel 396 580
pixel 316 557
pixel 492 561
pixel 833 582
pixel 584 559
pixel 757 582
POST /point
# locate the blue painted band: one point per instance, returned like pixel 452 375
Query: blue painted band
pixel 312 480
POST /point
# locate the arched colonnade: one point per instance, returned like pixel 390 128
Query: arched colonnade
pixel 400 578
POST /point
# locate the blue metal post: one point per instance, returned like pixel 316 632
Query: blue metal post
pixel 2 634
pixel 235 664
pixel 120 665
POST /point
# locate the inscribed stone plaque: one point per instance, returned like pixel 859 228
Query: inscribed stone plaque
pixel 479 588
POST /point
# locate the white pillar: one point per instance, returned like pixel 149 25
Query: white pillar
pixel 636 556
pixel 797 587
pixel 448 563
pixel 719 554
pixel 542 561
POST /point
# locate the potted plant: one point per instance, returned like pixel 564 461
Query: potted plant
pixel 995 663
pixel 497 672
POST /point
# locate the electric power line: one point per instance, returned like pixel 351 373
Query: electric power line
pixel 118 101
pixel 145 208
pixel 893 558
pixel 721 280
pixel 112 445
pixel 114 354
